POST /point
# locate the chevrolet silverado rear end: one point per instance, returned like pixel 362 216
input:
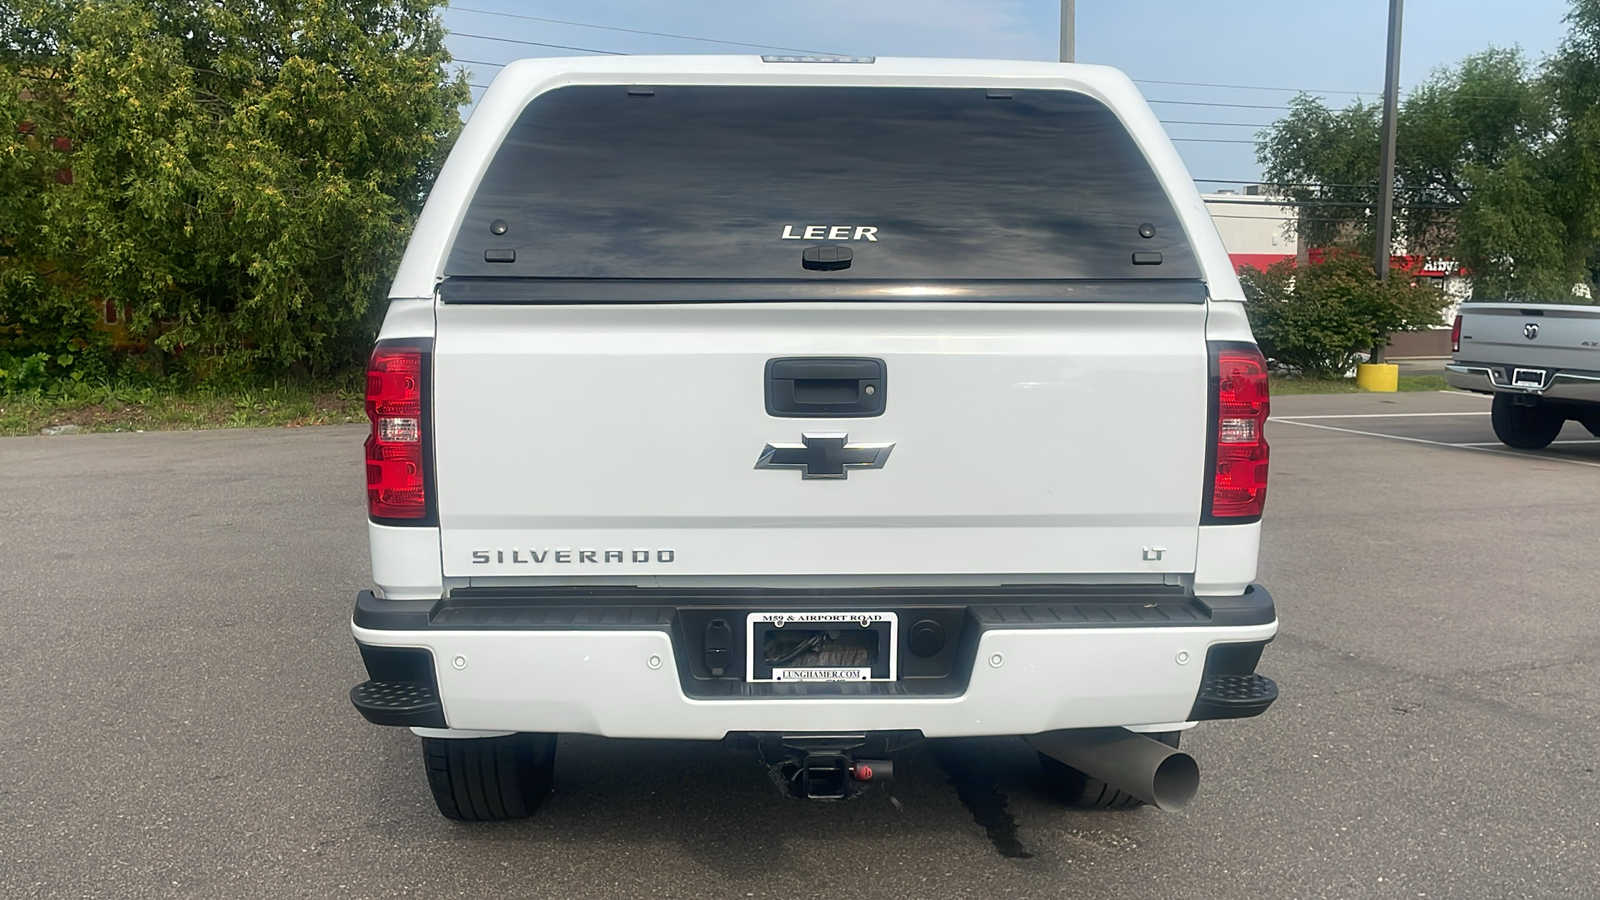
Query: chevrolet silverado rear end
pixel 835 402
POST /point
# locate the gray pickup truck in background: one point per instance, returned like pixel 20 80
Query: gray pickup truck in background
pixel 1540 361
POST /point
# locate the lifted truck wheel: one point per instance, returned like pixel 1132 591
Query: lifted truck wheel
pixel 1081 791
pixel 1525 427
pixel 490 779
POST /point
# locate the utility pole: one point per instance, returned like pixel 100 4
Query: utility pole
pixel 1391 103
pixel 1068 31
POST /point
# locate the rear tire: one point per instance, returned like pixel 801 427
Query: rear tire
pixel 1592 423
pixel 1079 790
pixel 1524 427
pixel 490 779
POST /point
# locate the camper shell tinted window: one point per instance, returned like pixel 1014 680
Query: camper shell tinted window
pixel 819 184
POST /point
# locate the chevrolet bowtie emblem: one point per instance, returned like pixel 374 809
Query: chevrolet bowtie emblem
pixel 824 456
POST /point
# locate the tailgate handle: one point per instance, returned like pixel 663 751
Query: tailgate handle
pixel 826 387
pixel 826 259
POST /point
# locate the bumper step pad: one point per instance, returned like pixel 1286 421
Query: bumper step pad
pixel 1234 697
pixel 401 703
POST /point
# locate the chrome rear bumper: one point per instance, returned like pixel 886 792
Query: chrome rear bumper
pixel 1483 378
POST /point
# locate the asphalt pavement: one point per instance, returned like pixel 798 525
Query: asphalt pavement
pixel 174 720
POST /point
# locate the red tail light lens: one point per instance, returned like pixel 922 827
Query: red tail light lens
pixel 397 485
pixel 1239 451
pixel 1455 335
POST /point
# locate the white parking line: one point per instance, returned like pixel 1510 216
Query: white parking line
pixel 1498 444
pixel 1383 415
pixel 1412 440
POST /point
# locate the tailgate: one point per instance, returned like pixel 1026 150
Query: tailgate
pixel 1546 336
pixel 623 440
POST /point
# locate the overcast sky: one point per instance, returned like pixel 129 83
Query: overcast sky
pixel 1321 47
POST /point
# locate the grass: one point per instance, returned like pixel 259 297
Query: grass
pixel 1285 386
pixel 112 407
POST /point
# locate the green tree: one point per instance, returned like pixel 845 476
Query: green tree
pixel 1326 162
pixel 243 173
pixel 1571 176
pixel 1531 228
pixel 1319 320
pixel 1462 121
pixel 45 330
pixel 1498 165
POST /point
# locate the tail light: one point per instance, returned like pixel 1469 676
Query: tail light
pixel 1455 335
pixel 397 450
pixel 1237 456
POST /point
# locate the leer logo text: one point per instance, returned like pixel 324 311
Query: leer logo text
pixel 831 233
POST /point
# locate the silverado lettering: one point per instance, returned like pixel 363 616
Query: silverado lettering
pixel 484 557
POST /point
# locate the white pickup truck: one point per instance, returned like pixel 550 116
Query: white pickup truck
pixel 836 402
pixel 1540 361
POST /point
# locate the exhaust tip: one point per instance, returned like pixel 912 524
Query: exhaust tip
pixel 1176 781
pixel 1136 764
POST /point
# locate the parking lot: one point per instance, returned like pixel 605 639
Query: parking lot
pixel 175 721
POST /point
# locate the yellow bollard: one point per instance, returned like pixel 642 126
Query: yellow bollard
pixel 1383 377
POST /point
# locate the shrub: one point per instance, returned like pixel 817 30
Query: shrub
pixel 47 333
pixel 240 177
pixel 1319 320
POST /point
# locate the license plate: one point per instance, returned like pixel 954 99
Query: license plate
pixel 821 647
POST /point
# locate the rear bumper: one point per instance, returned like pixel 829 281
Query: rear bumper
pixel 1559 384
pixel 1042 661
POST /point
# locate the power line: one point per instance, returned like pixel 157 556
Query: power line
pixel 485 37
pixel 1412 189
pixel 1228 105
pixel 1351 204
pixel 680 37
pixel 1213 140
pixel 1257 181
pixel 1297 219
pixel 1250 87
pixel 1373 185
pixel 707 40
pixel 1228 124
pixel 1257 87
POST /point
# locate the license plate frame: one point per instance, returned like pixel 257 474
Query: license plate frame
pixel 1528 378
pixel 884 667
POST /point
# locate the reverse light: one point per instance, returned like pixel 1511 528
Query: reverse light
pixel 399 431
pixel 397 483
pixel 1238 452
